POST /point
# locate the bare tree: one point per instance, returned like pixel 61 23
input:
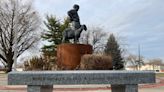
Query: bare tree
pixel 19 23
pixel 155 61
pixel 134 60
pixel 96 37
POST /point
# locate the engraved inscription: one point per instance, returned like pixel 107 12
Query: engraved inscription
pixel 69 78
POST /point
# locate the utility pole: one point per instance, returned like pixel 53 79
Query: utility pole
pixel 139 56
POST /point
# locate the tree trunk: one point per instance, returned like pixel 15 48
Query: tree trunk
pixel 10 62
pixel 9 67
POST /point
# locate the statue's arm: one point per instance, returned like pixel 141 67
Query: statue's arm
pixel 70 14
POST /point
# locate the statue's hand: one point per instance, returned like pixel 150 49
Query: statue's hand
pixel 70 19
pixel 76 19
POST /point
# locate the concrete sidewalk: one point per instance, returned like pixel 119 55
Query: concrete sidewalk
pixel 158 89
pixel 85 88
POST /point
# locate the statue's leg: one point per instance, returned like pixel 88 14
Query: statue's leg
pixel 63 40
pixel 73 25
pixel 75 40
pixel 77 25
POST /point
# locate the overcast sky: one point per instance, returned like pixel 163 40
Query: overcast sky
pixel 138 21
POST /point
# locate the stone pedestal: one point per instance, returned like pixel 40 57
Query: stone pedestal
pixel 69 55
pixel 125 88
pixel 43 81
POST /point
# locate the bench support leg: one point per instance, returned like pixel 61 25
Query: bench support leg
pixel 125 88
pixel 37 88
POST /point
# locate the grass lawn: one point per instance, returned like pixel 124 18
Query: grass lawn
pixel 3 75
pixel 3 79
pixel 159 74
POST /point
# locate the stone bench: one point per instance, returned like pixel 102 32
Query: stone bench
pixel 43 81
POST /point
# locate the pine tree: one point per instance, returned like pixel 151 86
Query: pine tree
pixel 53 34
pixel 112 48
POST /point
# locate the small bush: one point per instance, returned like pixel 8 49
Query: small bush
pixel 40 63
pixel 96 62
pixel 35 63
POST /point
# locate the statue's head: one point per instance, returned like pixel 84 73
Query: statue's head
pixel 76 7
pixel 84 27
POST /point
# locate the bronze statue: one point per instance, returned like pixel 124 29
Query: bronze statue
pixel 74 17
pixel 73 34
pixel 76 29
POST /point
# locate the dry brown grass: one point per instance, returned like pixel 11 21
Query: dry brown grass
pixel 39 63
pixel 35 63
pixel 95 62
